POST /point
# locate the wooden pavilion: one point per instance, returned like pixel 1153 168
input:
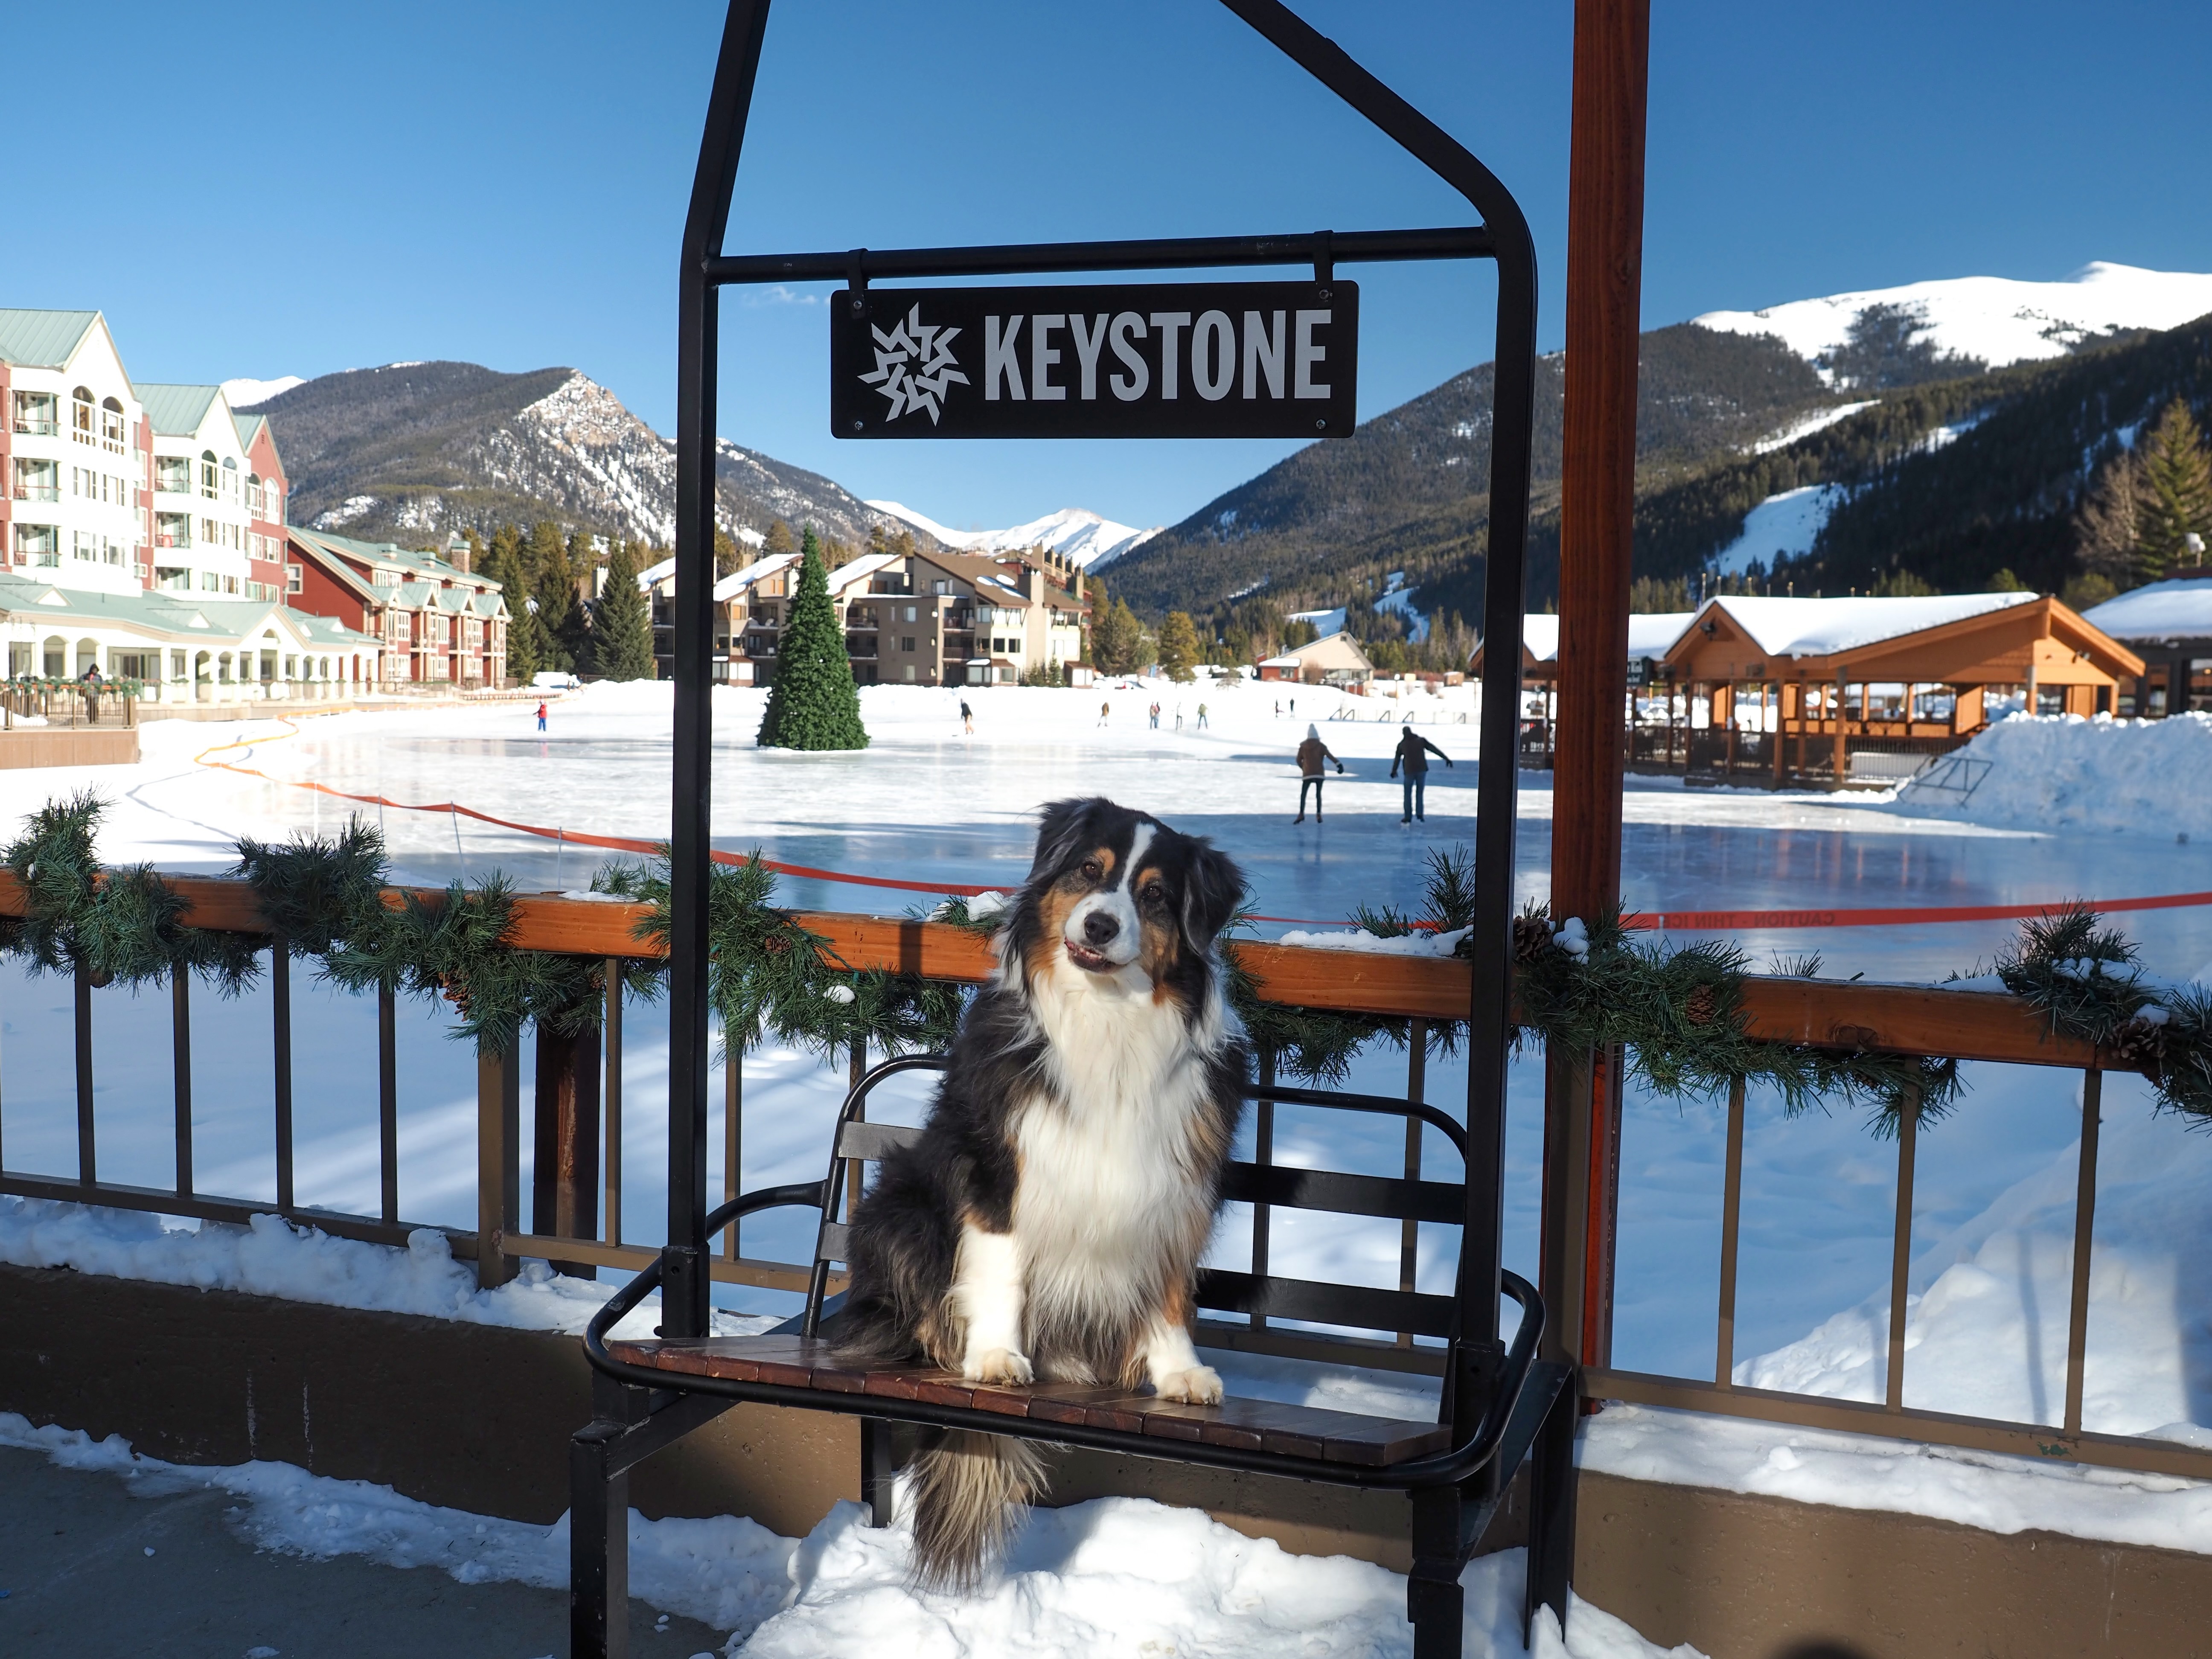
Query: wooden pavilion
pixel 1836 689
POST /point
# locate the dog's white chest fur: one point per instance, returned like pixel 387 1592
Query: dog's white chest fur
pixel 1109 1198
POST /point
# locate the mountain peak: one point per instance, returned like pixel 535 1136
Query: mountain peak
pixel 1074 532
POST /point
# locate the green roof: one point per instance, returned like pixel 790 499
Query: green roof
pixel 42 339
pixel 429 564
pixel 176 411
pixel 168 613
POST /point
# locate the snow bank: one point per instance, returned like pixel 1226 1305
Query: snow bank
pixel 1986 1328
pixel 2179 609
pixel 2062 772
pixel 1422 944
pixel 1862 1472
pixel 273 1257
pixel 1114 1576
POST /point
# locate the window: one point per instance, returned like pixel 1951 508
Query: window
pixel 81 422
pixel 911 613
pixel 173 578
pixel 230 479
pixel 209 472
pixel 35 416
pixel 110 426
pixel 209 582
pixel 906 643
pixel 295 578
pixel 39 543
pixel 84 547
pixel 174 474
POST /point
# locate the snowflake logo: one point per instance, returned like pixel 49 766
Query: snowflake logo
pixel 914 366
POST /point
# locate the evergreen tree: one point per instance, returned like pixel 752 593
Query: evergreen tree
pixel 812 703
pixel 526 644
pixel 2177 475
pixel 552 585
pixel 622 629
pixel 1117 639
pixel 1180 651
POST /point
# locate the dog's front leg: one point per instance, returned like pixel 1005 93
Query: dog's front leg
pixel 1171 1362
pixel 987 1294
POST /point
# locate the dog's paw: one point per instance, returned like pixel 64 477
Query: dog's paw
pixel 998 1366
pixel 1199 1386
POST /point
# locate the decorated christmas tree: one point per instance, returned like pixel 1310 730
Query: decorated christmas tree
pixel 812 703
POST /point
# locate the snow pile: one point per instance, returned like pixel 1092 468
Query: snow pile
pixel 1113 1577
pixel 2062 772
pixel 1995 318
pixel 1421 943
pixel 1862 1472
pixel 2179 609
pixel 1986 1319
pixel 273 1257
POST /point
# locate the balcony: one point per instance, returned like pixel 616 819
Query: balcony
pixel 31 492
pixel 172 539
pixel 31 427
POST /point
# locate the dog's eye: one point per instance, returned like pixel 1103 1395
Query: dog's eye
pixel 1092 870
pixel 1155 896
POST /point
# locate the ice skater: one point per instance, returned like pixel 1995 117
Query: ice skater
pixel 1105 709
pixel 967 717
pixel 1412 753
pixel 541 717
pixel 1313 756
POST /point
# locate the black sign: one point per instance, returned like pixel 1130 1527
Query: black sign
pixel 1207 359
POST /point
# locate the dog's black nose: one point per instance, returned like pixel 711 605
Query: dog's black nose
pixel 1098 928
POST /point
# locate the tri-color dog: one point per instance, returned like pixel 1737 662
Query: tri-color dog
pixel 1048 1223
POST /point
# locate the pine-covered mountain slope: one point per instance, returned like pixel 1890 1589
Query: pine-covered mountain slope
pixel 1409 490
pixel 413 451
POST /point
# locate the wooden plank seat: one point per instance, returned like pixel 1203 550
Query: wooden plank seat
pixel 803 1362
pixel 1496 1404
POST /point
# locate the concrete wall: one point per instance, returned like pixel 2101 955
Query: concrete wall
pixel 478 1418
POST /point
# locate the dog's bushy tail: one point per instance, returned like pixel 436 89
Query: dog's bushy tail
pixel 966 1490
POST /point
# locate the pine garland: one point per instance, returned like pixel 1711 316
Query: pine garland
pixel 1584 985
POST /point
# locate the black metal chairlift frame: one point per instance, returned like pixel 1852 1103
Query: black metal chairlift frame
pixel 1478 1364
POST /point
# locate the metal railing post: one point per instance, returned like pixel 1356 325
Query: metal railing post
pixel 611 1163
pixel 87 1143
pixel 1900 1254
pixel 1409 1231
pixel 1263 1154
pixel 280 998
pixel 2085 1222
pixel 733 1135
pixel 1731 1233
pixel 180 1036
pixel 387 1101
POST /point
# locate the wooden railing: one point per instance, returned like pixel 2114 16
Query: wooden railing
pixel 1914 1020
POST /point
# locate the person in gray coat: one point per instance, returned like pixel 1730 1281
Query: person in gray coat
pixel 1412 753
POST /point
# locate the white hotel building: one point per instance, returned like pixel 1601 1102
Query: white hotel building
pixel 142 528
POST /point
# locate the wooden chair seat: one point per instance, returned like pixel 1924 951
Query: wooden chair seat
pixel 802 1362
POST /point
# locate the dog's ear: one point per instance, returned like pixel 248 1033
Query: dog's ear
pixel 1062 828
pixel 1212 891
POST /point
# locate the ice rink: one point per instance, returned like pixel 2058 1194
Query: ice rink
pixel 928 803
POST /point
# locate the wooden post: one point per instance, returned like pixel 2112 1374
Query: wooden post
pixel 499 1111
pixel 1605 273
pixel 564 1181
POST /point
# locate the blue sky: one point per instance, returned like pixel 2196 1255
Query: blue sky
pixel 299 189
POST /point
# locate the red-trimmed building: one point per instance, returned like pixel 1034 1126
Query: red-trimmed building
pixel 436 622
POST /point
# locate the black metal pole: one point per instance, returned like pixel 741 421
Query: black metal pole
pixel 1513 415
pixel 683 1296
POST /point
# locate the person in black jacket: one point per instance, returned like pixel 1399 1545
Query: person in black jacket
pixel 1412 753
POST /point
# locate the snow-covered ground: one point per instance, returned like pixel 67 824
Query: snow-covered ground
pixel 1781 526
pixel 1114 1577
pixel 1996 318
pixel 928 802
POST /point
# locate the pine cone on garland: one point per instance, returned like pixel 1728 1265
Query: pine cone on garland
pixel 1532 937
pixel 775 945
pixel 457 994
pixel 2141 1044
pixel 1702 1005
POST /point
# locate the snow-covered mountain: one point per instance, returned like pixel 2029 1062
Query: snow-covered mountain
pixel 419 449
pixel 243 394
pixel 1071 532
pixel 1993 320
